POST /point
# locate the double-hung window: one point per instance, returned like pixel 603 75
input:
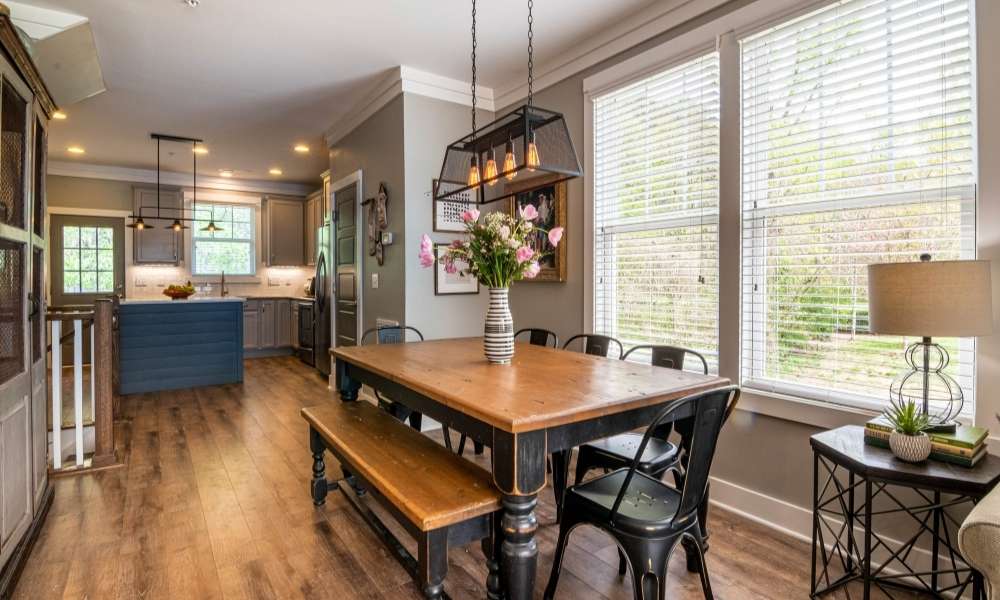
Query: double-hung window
pixel 858 129
pixel 231 248
pixel 656 209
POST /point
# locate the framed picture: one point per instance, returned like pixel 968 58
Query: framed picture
pixel 446 284
pixel 550 202
pixel 448 213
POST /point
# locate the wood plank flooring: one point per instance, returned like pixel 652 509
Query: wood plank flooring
pixel 213 503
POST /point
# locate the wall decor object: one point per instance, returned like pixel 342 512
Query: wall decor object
pixel 549 200
pixel 447 216
pixel 447 284
pixel 377 222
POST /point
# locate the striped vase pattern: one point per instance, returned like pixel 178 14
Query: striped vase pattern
pixel 498 338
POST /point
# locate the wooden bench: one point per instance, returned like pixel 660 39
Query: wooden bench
pixel 438 497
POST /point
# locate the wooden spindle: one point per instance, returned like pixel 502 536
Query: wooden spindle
pixel 104 443
pixel 78 388
pixel 56 395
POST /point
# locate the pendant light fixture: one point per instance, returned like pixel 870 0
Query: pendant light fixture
pixel 179 222
pixel 536 145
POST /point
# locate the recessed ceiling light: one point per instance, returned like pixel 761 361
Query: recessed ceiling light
pixel 200 150
pixel 192 3
pixel 75 150
pixel 59 115
pixel 275 171
pixel 226 172
pixel 301 148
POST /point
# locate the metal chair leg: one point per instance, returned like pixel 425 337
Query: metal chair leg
pixel 550 588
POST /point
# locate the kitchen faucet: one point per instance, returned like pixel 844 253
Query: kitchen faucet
pixel 225 292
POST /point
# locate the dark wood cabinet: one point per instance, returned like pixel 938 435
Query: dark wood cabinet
pixel 159 244
pixel 284 227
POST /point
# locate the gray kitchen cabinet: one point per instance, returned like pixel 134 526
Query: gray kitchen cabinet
pixel 313 219
pixel 285 227
pixel 295 324
pixel 267 323
pixel 158 244
pixel 325 212
pixel 282 323
pixel 251 325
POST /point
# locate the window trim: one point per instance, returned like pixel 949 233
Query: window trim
pixel 723 33
pixel 254 242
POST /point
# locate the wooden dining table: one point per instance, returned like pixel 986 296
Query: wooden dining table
pixel 545 402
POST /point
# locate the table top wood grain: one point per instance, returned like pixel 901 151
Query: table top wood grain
pixel 541 388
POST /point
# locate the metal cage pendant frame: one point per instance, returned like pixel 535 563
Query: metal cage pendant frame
pixel 555 157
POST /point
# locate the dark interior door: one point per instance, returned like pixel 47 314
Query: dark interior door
pixel 346 283
pixel 87 259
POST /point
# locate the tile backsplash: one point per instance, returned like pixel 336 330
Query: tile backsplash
pixel 148 282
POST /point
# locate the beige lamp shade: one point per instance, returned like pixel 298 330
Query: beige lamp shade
pixel 948 298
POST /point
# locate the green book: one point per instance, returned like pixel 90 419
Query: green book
pixel 965 436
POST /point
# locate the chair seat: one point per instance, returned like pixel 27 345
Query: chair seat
pixel 647 509
pixel 619 450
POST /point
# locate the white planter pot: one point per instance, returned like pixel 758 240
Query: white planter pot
pixel 911 448
pixel 498 335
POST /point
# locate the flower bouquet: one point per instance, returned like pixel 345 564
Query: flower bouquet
pixel 497 252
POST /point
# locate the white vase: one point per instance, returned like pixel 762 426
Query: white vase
pixel 498 335
pixel 911 448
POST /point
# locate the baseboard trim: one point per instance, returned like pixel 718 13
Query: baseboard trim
pixel 10 572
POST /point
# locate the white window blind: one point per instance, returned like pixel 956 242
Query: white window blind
pixel 656 209
pixel 231 249
pixel 858 147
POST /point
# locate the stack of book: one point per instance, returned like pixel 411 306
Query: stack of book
pixel 965 447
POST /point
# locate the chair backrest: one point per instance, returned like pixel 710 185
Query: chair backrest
pixel 710 410
pixel 598 345
pixel 539 337
pixel 671 357
pixel 392 334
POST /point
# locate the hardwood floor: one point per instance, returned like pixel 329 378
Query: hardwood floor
pixel 214 503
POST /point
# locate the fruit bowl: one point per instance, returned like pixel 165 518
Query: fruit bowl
pixel 179 292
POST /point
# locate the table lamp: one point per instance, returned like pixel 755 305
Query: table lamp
pixel 949 298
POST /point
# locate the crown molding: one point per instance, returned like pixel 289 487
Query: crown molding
pixel 89 171
pixel 404 79
pixel 625 34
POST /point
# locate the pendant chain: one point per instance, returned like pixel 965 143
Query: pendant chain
pixel 473 67
pixel 531 52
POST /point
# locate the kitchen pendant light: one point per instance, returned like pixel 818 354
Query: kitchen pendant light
pixel 541 139
pixel 139 224
pixel 179 221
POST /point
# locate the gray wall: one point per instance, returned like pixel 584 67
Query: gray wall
pixel 376 147
pixel 430 126
pixel 80 192
pixel 766 454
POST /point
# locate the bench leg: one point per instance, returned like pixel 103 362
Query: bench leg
pixel 491 549
pixel 318 485
pixel 432 560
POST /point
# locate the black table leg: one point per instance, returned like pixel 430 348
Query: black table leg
pixel 866 568
pixel 519 550
pixel 560 475
pixel 815 529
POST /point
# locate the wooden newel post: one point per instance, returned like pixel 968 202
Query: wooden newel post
pixel 104 443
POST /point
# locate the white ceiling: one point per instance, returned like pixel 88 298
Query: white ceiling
pixel 253 78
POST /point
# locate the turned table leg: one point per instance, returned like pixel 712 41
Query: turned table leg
pixel 519 550
pixel 318 483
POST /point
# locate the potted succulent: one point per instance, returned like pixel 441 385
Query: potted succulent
pixel 909 440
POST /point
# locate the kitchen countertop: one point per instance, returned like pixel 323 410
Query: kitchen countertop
pixel 191 299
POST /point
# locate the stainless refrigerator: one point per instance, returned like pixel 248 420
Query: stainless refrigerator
pixel 323 292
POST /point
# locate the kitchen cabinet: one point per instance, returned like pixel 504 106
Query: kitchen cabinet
pixel 158 244
pixel 295 324
pixel 251 325
pixel 326 198
pixel 313 219
pixel 267 324
pixel 285 240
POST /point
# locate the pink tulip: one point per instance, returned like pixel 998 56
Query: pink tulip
pixel 470 216
pixel 426 260
pixel 555 234
pixel 524 254
pixel 528 212
pixel 426 254
pixel 532 270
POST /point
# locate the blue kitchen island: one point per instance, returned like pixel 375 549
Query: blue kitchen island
pixel 174 344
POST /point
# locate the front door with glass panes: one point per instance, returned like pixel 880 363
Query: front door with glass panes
pixel 88 258
pixel 22 247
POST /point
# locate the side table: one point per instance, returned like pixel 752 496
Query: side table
pixel 854 483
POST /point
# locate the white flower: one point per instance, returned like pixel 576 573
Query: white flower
pixel 504 232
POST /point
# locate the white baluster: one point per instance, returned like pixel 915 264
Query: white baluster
pixel 78 387
pixel 93 379
pixel 56 395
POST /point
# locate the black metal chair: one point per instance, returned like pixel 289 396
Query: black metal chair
pixel 598 345
pixel 646 517
pixel 396 334
pixel 539 337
